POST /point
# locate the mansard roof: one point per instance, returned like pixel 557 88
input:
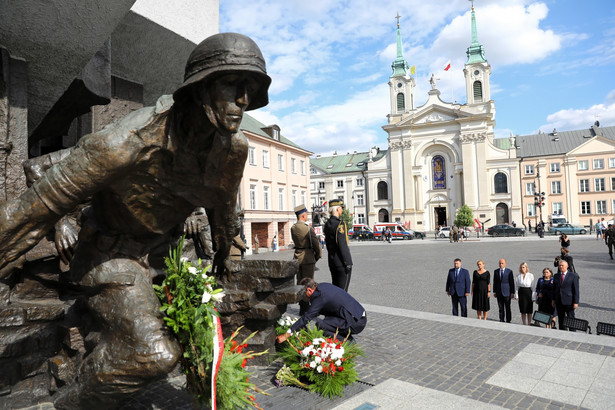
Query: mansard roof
pixel 559 142
pixel 336 164
pixel 252 125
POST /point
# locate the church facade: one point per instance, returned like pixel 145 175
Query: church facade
pixel 443 155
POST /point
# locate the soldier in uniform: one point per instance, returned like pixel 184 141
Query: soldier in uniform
pixel 307 249
pixel 336 238
pixel 609 237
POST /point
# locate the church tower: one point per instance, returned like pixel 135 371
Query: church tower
pixel 477 70
pixel 400 83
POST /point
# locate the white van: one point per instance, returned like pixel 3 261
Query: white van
pixel 556 219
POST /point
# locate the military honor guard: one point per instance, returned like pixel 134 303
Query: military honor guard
pixel 307 249
pixel 336 238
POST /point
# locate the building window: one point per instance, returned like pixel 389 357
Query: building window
pixel 438 167
pixel 252 196
pixel 281 199
pixel 265 197
pixel 558 208
pixel 529 170
pixel 501 183
pixel 313 171
pixel 322 200
pixel 280 162
pixel 556 187
pixel 531 210
pixel 265 158
pixel 251 156
pixel 586 208
pixel 360 200
pixel 383 191
pixel 340 183
pixel 294 198
pixel 359 181
pixel 303 197
pixel 584 185
pixel 611 162
pixel 599 163
pixel 321 185
pixel 613 206
pixel 401 102
pixel 601 207
pixel 599 184
pixel 293 165
pixel 583 165
pixel 554 167
pixel 361 218
pixel 612 183
pixel 302 166
pixel 530 188
pixel 478 91
pixel 276 134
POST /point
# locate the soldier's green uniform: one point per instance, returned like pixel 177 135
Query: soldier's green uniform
pixel 307 249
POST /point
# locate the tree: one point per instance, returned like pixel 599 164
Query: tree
pixel 346 217
pixel 464 217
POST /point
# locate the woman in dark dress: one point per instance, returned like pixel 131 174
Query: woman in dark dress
pixel 481 290
pixel 544 292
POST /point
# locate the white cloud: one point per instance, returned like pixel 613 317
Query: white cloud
pixel 579 118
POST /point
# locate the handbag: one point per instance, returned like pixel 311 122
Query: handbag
pixel 534 297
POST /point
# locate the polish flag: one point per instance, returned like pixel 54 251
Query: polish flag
pixel 448 65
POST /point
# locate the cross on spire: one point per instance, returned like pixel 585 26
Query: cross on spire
pixel 472 1
pixel 398 17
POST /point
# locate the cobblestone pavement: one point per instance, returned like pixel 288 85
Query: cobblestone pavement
pixel 412 338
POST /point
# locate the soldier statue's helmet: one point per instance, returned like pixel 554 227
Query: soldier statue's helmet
pixel 227 53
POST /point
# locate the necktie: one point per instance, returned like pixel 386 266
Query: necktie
pixel 501 274
pixel 456 272
pixel 563 274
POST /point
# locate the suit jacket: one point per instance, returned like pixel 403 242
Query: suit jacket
pixel 505 286
pixel 566 292
pixel 462 285
pixel 336 238
pixel 329 300
pixel 307 245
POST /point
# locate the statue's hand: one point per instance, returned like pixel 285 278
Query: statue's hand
pixel 192 226
pixel 222 265
pixel 65 239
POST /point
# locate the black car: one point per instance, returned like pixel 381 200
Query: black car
pixel 505 230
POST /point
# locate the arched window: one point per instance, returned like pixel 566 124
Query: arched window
pixel 478 91
pixel 438 168
pixel 383 215
pixel 401 102
pixel 500 182
pixel 383 190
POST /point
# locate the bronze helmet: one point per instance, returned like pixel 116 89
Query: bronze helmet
pixel 227 52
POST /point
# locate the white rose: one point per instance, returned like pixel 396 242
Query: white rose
pixel 312 364
pixel 319 369
pixel 192 270
pixel 206 297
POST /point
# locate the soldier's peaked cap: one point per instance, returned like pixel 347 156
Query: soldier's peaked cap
pixel 300 209
pixel 336 202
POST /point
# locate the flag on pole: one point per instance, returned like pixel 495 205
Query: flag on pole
pixel 412 70
pixel 447 66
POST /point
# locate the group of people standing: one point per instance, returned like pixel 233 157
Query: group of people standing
pixel 553 293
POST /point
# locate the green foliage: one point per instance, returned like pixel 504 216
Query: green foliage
pixel 346 217
pixel 315 359
pixel 187 295
pixel 464 216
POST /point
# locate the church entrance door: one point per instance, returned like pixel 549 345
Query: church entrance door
pixel 501 213
pixel 440 215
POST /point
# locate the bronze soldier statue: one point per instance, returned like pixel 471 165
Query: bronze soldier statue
pixel 145 175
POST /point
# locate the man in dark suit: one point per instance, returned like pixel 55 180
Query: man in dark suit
pixel 342 313
pixel 338 252
pixel 458 287
pixel 503 289
pixel 566 292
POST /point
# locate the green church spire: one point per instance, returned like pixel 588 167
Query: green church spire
pixel 399 66
pixel 476 52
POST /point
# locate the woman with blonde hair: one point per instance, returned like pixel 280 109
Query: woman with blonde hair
pixel 523 293
pixel 481 290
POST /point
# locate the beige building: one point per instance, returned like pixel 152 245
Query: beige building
pixel 275 180
pixel 574 169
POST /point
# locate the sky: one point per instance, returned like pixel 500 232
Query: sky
pixel 552 62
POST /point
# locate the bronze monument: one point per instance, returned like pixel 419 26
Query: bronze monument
pixel 145 175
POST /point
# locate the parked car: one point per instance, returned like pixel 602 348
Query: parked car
pixel 445 232
pixel 397 229
pixel 505 230
pixel 568 229
pixel 417 234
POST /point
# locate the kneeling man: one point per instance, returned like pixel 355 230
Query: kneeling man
pixel 343 314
